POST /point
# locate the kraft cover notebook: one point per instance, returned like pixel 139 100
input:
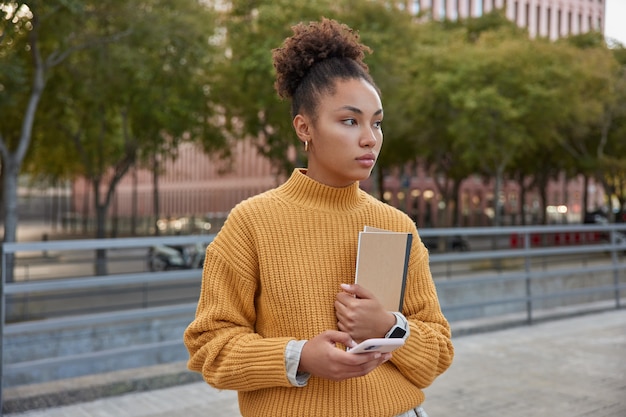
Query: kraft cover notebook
pixel 381 264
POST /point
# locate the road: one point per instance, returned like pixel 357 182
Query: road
pixel 78 264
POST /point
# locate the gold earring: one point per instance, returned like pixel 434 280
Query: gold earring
pixel 306 146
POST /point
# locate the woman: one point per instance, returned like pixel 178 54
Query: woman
pixel 278 303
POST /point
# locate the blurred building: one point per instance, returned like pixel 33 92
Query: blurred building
pixel 415 192
pixel 545 18
pixel 192 185
pixel 199 187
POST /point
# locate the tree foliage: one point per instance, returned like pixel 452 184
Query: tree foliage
pixel 132 80
pixel 35 37
pixel 140 97
pixel 465 97
pixel 245 81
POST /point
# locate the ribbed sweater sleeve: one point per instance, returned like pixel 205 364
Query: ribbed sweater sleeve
pixel 222 341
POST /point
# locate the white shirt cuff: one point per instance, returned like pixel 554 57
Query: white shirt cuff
pixel 293 351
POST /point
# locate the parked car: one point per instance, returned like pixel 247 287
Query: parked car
pixel 169 257
pixel 452 243
pixel 600 217
pixel 183 225
pixel 596 217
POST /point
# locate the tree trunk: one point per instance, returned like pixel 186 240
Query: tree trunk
pixel 497 207
pixel 585 202
pixel 155 194
pixel 543 219
pixel 522 203
pixel 565 198
pixel 100 265
pixel 86 211
pixel 12 162
pixel 456 217
pixel 9 184
pixel 133 215
pixel 2 175
pixel 379 181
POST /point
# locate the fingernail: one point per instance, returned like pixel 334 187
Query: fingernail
pixel 346 286
pixel 377 355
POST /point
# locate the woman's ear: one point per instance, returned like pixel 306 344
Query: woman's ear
pixel 302 127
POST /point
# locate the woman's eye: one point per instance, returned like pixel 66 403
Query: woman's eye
pixel 378 124
pixel 349 122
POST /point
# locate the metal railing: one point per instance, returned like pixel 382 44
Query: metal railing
pixel 24 284
pixel 523 261
pixel 591 256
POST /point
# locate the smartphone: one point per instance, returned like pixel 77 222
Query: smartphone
pixel 377 345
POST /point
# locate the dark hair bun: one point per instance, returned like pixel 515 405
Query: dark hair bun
pixel 312 43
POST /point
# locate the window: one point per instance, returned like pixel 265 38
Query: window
pixel 569 23
pixel 456 10
pixel 580 23
pixel 538 21
pixel 549 20
pixel 428 6
pixel 416 6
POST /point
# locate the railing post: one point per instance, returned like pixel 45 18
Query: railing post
pixel 3 268
pixel 615 262
pixel 529 303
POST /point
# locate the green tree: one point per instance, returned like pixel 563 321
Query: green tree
pixel 138 98
pixel 250 105
pixel 480 94
pixel 35 37
pixel 450 81
pixel 614 159
pixel 136 83
pixel 546 92
pixel 174 98
pixel 442 48
pixel 593 102
pixel 392 34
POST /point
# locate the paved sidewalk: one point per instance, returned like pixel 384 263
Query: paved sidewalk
pixel 565 368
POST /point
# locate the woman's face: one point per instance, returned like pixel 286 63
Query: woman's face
pixel 345 138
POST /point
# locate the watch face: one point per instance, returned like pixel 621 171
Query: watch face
pixel 397 333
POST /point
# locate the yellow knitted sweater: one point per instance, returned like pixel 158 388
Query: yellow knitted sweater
pixel 271 275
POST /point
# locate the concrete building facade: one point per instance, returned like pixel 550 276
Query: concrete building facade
pixel 545 18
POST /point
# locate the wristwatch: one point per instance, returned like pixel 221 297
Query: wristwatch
pixel 399 330
pixel 396 332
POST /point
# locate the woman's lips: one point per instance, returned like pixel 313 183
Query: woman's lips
pixel 367 160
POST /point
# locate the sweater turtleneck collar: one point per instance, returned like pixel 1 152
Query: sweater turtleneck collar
pixel 305 191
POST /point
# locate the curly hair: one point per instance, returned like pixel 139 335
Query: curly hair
pixel 310 61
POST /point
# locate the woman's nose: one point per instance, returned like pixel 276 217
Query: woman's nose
pixel 369 137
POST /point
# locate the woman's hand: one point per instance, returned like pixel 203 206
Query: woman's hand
pixel 321 358
pixel 360 314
